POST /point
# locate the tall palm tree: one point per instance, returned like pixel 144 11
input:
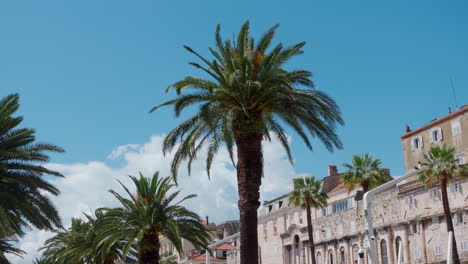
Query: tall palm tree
pixel 308 193
pixel 154 211
pixel 23 190
pixel 365 172
pixel 441 167
pixel 248 96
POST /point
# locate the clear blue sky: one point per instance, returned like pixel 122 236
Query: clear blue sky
pixel 89 71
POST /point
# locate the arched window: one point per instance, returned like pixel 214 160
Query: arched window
pixel 342 255
pixel 330 257
pixel 383 251
pixel 397 245
pixel 296 245
pixel 319 258
pixel 355 254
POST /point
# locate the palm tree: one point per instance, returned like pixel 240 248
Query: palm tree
pixel 441 166
pixel 155 211
pixel 249 96
pixel 307 193
pixel 365 172
pixel 23 190
pixel 86 241
pixel 6 247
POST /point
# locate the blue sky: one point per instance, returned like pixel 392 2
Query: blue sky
pixel 89 71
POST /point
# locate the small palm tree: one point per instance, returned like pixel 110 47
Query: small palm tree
pixel 249 96
pixel 6 247
pixel 83 243
pixel 365 172
pixel 308 193
pixel 441 167
pixel 154 211
pixel 23 190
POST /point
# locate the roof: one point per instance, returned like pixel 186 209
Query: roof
pixel 436 121
pixel 201 257
pixel 339 187
pixel 330 182
pixel 225 246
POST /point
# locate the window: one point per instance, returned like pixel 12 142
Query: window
pixel 464 245
pixel 434 193
pixel 270 207
pixel 275 228
pixel 340 206
pixel 456 128
pixel 383 250
pixel 436 135
pixel 435 222
pixel 417 253
pixel 410 201
pixel 330 257
pixel 398 248
pixel 458 217
pixel 280 203
pixel 417 143
pixel 460 158
pixel 455 187
pixel 342 255
pixel 355 254
pixel 319 258
pixel 301 216
pixel 437 250
pixel 265 232
pixel 413 228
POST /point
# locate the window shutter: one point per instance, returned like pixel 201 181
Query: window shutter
pixel 452 187
pixel 439 131
pixel 421 141
pixel 412 145
pixel 431 136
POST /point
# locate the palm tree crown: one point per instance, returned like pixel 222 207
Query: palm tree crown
pixel 23 189
pixel 152 211
pixel 365 172
pixel 308 190
pixel 249 92
pixel 440 162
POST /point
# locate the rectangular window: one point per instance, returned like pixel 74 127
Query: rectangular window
pixel 437 250
pixel 464 245
pixel 434 193
pixel 436 135
pixel 413 228
pixel 410 201
pixel 280 203
pixel 456 128
pixel 455 187
pixel 300 218
pixel 275 228
pixel 417 253
pixel 458 218
pixel 460 158
pixel 270 207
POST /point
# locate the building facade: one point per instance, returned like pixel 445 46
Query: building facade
pixel 409 214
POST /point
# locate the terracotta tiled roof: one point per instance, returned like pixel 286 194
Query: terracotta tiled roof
pixel 201 257
pixel 331 182
pixel 339 187
pixel 225 246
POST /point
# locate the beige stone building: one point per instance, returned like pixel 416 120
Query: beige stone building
pixel 408 214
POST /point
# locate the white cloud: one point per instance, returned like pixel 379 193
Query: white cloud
pixel 85 186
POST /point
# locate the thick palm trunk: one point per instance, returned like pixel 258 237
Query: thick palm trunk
pixel 249 178
pixel 149 248
pixel 310 231
pixel 448 217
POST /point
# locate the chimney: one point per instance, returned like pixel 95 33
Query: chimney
pixel 207 223
pixel 332 170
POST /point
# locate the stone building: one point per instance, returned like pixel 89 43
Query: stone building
pixel 408 214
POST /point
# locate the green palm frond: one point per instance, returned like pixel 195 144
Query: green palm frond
pixel 24 202
pixel 442 162
pixel 308 190
pixel 153 210
pixel 249 90
pixel 365 172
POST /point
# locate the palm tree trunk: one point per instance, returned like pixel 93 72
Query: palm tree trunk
pixel 149 248
pixel 310 231
pixel 448 217
pixel 249 178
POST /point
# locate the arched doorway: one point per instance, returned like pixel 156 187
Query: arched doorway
pixel 319 258
pixel 330 257
pixel 383 251
pixel 397 248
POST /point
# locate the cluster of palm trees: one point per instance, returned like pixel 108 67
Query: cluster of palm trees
pixel 249 96
pixel 132 231
pixel 440 167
